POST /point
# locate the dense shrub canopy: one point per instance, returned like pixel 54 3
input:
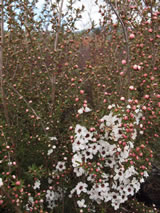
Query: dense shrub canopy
pixel 79 110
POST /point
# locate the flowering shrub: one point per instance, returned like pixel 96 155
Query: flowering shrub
pixel 106 158
pixel 80 110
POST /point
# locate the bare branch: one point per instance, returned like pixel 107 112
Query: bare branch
pixel 125 37
pixel 59 22
pixel 53 78
pixel 34 112
pixel 1 64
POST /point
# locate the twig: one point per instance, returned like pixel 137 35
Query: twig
pixel 16 208
pixel 1 64
pixel 53 78
pixel 34 112
pixel 126 38
pixel 9 156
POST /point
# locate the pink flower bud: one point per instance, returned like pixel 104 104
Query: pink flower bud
pixel 131 88
pixel 137 149
pixel 131 36
pixel 121 73
pixel 150 30
pixel 18 183
pixel 125 118
pixel 124 61
pixel 144 108
pixel 146 96
pixel 134 107
pixel 81 92
pixel 135 67
pixel 122 98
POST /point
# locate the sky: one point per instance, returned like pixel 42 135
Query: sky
pixel 90 13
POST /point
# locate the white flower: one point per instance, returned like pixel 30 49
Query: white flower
pixel 110 107
pixel 111 125
pixel 115 134
pixel 138 116
pixel 93 148
pixel 124 154
pixel 94 194
pixel 78 144
pixel 81 203
pixel 91 178
pixel 136 184
pixel 119 174
pixel 141 132
pixel 129 189
pixel 116 200
pixel 84 109
pixel 109 120
pixel 130 144
pixel 142 180
pixel 77 160
pixel 30 204
pixel 79 171
pixel 37 184
pixel 110 162
pixel 50 180
pixel 53 138
pixel 130 171
pixel 116 204
pixel 50 195
pixel 80 131
pixel 81 187
pixel 145 174
pixel 87 154
pixel 134 134
pixel 61 166
pixel 106 148
pixel 50 151
pixel 1 182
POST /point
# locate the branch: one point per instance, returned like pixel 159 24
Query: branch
pixel 59 23
pixel 34 112
pixel 125 37
pixel 16 208
pixel 1 64
pixel 53 78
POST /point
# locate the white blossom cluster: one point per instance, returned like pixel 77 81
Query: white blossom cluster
pixel 50 151
pixel 37 184
pixel 53 196
pixel 117 179
pixel 30 204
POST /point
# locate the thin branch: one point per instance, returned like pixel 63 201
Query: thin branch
pixel 1 64
pixel 16 208
pixel 34 112
pixel 125 37
pixel 9 156
pixel 59 23
pixel 53 78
